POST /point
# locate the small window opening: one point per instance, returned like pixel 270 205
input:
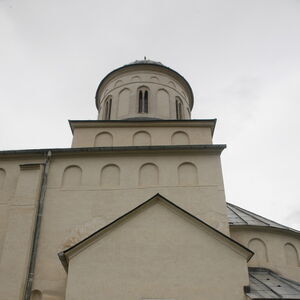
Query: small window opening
pixel 179 113
pixel 107 109
pixel 143 101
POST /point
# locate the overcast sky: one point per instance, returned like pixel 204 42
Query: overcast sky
pixel 241 57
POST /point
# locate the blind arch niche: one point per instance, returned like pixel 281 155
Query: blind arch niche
pixel 148 175
pixel 72 176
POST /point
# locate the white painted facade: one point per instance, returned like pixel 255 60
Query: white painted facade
pixel 111 242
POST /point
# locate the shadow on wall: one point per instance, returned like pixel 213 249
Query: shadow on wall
pixel 36 295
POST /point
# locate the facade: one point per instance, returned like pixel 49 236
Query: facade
pixel 135 208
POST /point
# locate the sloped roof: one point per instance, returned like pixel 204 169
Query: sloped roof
pixel 64 255
pixel 238 216
pixel 266 284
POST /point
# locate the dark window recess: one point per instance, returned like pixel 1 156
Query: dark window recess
pixel 179 114
pixel 143 101
pixel 107 109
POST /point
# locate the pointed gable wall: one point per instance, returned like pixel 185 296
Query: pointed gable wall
pixel 157 251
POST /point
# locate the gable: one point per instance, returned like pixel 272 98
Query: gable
pixel 156 251
pixel 157 199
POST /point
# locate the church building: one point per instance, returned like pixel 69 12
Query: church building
pixel 135 209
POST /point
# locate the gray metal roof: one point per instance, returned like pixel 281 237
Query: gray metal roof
pixel 145 61
pixel 238 216
pixel 266 284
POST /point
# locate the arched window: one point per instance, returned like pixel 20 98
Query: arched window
pixel 143 95
pixel 179 110
pixel 107 109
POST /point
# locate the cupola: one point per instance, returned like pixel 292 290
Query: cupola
pixel 144 89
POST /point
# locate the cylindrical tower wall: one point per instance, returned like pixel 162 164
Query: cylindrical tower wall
pixel 151 92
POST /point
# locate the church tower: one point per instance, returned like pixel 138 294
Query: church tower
pixel 145 107
pixel 160 173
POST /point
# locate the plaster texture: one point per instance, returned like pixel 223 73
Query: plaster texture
pixel 90 134
pixel 158 243
pixel 274 249
pixel 164 88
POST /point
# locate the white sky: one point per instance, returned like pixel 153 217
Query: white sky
pixel 241 57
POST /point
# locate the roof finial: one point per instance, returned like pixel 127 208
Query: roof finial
pixel 145 58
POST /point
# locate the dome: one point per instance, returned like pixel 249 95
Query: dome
pixel 145 61
pixel 163 93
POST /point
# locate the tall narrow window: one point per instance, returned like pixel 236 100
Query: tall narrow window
pixel 179 112
pixel 143 95
pixel 107 109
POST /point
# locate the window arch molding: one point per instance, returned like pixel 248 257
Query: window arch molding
pixel 143 95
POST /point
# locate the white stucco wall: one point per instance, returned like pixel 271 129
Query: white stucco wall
pixel 275 249
pixel 158 253
pixel 163 89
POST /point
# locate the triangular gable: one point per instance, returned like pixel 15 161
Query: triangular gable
pixel 64 256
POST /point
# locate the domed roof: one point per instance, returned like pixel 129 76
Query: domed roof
pixel 145 61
